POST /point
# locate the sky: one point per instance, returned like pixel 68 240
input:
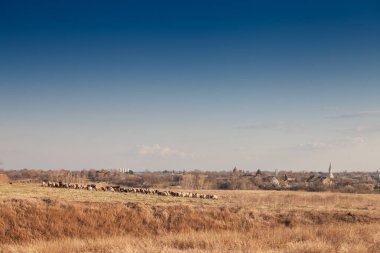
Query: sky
pixel 207 85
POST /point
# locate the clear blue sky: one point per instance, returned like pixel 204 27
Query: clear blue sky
pixel 190 84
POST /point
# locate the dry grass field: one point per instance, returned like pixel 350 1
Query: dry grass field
pixel 41 219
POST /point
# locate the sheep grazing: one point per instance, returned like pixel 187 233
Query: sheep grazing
pixel 118 188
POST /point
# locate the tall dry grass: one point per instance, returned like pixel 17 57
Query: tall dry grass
pixel 325 238
pixel 52 220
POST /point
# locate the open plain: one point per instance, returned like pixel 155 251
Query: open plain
pixel 42 219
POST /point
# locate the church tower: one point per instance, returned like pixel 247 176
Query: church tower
pixel 331 176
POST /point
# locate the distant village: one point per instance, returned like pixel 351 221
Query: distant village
pixel 235 179
pixel 345 181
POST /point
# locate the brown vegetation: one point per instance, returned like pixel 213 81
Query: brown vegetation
pixel 27 220
pixel 331 239
pixel 42 219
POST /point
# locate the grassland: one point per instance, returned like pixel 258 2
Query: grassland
pixel 39 219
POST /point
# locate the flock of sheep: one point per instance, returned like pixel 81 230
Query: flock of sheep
pixel 118 188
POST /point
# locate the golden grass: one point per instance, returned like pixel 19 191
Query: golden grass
pixel 258 199
pixel 41 219
pixel 332 239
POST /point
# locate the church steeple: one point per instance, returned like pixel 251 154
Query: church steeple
pixel 330 172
